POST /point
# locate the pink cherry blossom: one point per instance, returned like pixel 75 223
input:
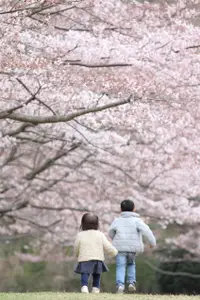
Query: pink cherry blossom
pixel 99 102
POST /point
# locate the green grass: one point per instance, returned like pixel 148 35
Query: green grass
pixel 74 296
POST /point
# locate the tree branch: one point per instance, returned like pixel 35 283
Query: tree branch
pixel 34 9
pixel 20 129
pixel 10 157
pixel 58 119
pixel 46 227
pixel 49 162
pixel 34 95
pixel 111 65
pixel 13 207
pixel 84 209
pixel 171 273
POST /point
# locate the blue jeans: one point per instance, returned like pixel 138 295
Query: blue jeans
pixel 122 263
pixel 85 278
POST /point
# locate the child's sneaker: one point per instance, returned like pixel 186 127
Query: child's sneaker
pixel 95 290
pixel 84 289
pixel 120 289
pixel 131 288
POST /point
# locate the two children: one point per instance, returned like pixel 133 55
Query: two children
pixel 126 233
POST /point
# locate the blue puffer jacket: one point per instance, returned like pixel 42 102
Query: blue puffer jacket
pixel 127 231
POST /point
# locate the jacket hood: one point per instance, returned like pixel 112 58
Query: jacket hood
pixel 128 214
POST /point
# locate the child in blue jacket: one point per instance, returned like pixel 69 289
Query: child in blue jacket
pixel 126 233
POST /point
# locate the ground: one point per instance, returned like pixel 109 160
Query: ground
pixel 73 296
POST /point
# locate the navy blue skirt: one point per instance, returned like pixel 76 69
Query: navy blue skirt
pixel 91 267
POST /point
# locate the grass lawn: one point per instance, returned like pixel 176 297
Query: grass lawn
pixel 74 296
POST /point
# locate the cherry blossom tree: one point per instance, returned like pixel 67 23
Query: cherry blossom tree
pixel 99 102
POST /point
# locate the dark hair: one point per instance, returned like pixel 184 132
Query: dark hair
pixel 127 205
pixel 89 221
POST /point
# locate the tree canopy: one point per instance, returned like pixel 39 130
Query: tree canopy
pixel 99 102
